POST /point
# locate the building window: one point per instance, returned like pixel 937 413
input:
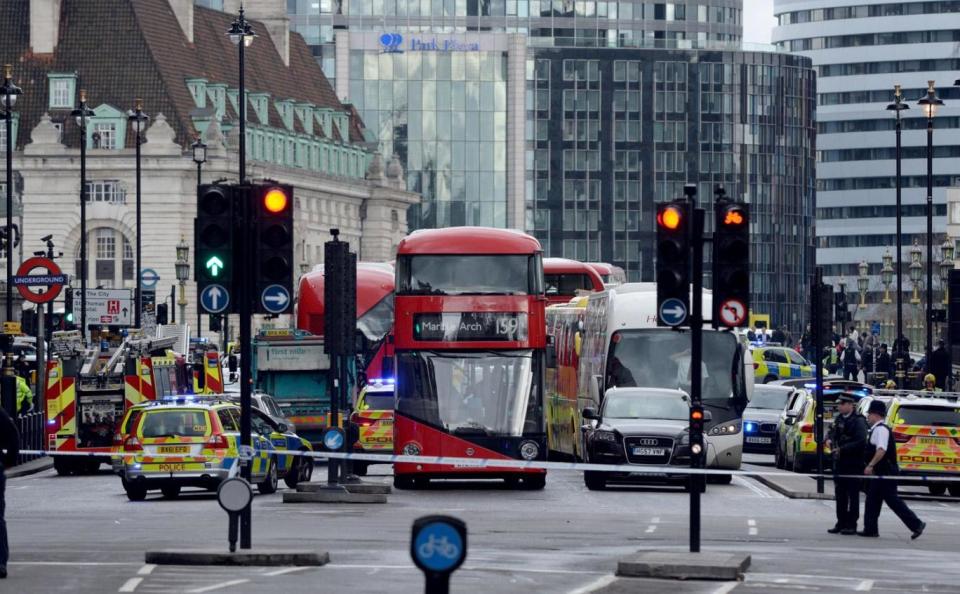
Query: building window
pixel 105 136
pixel 111 191
pixel 106 244
pixel 61 91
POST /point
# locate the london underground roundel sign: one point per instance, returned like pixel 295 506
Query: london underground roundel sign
pixel 53 279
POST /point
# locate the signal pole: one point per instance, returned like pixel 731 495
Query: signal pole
pixel 696 356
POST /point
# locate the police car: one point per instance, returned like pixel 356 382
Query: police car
pixel 927 432
pixel 772 363
pixel 373 419
pixel 798 451
pixel 184 441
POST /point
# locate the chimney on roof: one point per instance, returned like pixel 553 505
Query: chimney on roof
pixel 273 15
pixel 184 11
pixel 44 25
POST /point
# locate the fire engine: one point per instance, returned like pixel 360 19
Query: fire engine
pixel 89 390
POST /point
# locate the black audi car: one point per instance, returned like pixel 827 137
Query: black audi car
pixel 644 426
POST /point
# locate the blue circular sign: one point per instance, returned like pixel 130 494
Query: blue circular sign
pixel 149 277
pixel 673 312
pixel 386 39
pixel 275 299
pixel 438 547
pixel 333 439
pixel 214 298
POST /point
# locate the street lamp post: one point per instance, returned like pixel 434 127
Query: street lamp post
pixel 242 35
pixel 10 93
pixel 863 282
pixel 199 155
pixel 81 114
pixel 946 264
pixel 897 106
pixel 929 105
pixel 886 275
pixel 183 274
pixel 916 270
pixel 138 120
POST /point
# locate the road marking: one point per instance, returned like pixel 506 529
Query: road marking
pixel 594 585
pixel 147 569
pixel 763 492
pixel 218 586
pixel 73 563
pixel 651 528
pixel 864 586
pixel 752 530
pixel 130 585
pixel 728 587
pixel 467 568
pixel 655 521
pixel 285 570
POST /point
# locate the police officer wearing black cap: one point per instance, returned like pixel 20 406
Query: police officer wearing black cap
pixel 847 440
pixel 881 457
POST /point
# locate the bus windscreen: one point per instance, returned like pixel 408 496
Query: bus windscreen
pixel 464 275
pixel 661 359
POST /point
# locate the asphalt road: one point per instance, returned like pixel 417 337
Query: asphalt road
pixel 81 534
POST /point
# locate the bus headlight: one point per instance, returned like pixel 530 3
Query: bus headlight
pixel 411 449
pixel 529 450
pixel 725 429
pixel 696 448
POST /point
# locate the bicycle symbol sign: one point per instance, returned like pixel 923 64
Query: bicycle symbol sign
pixel 439 547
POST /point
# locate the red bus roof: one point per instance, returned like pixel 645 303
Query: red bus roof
pixel 468 240
pixel 602 267
pixel 564 265
pixel 374 282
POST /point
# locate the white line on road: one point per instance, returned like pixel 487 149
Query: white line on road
pixel 218 586
pixel 147 569
pixel 726 588
pixel 752 530
pixel 130 585
pixel 467 568
pixel 753 486
pixel 651 529
pixel 73 563
pixel 285 570
pixel 864 586
pixel 655 521
pixel 594 585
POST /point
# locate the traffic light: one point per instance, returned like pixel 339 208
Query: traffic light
pixel 68 320
pixel 953 309
pixel 696 431
pixel 216 323
pixel 215 241
pixel 340 298
pixel 273 248
pixel 841 307
pixel 731 264
pixel 674 221
pixel 161 314
pixel 824 319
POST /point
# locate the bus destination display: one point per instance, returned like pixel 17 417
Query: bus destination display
pixel 470 326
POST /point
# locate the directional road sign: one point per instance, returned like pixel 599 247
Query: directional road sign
pixel 673 312
pixel 54 279
pixel 732 313
pixel 149 278
pixel 215 299
pixel 275 299
pixel 333 439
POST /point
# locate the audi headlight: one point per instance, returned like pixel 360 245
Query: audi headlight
pixel 725 429
pixel 606 436
pixel 411 449
pixel 529 450
pixel 684 438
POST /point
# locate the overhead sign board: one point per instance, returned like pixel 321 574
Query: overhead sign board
pixel 112 307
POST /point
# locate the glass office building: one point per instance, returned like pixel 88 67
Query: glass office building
pixel 571 119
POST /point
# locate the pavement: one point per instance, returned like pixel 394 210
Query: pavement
pixel 31 467
pixel 81 535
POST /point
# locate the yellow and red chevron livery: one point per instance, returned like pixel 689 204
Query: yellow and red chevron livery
pixel 927 432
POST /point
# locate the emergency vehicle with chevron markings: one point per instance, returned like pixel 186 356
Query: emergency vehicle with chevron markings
pixel 89 390
pixel 373 418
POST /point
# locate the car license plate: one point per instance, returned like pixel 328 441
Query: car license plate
pixel 649 451
pixel 932 440
pixel 759 440
pixel 181 449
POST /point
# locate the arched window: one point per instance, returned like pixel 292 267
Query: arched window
pixel 110 259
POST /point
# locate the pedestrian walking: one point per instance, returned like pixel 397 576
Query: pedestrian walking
pixel 881 457
pixel 851 360
pixel 939 365
pixel 9 448
pixel 847 441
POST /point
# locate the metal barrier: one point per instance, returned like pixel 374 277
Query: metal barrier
pixel 30 427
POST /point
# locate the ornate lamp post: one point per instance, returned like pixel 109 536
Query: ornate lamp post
pixel 242 35
pixel 10 93
pixel 896 107
pixel 81 114
pixel 183 274
pixel 863 282
pixel 886 275
pixel 199 155
pixel 138 120
pixel 946 264
pixel 929 104
pixel 916 270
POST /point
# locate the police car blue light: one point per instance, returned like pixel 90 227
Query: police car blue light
pixel 750 427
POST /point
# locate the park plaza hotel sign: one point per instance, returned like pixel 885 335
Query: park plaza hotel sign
pixel 395 43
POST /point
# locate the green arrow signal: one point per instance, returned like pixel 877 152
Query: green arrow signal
pixel 214 265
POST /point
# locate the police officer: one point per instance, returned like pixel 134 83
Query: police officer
pixel 847 440
pixel 9 448
pixel 881 457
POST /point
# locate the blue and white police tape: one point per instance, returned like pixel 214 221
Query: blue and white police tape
pixel 520 465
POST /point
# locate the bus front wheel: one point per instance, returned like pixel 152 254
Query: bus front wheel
pixel 403 482
pixel 533 482
pixel 594 481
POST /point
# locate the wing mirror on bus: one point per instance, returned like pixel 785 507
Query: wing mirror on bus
pixel 594 386
pixel 789 420
pixel 590 413
pixel 551 356
pixel 707 416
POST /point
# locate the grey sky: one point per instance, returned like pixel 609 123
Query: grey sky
pixel 758 21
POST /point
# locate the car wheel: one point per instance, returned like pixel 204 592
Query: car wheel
pixel 798 466
pixel 170 491
pixel 306 469
pixel 269 483
pixel 63 466
pixel 403 482
pixel 955 490
pixel 135 491
pixel 937 489
pixel 778 457
pixel 91 466
pixel 533 482
pixel 595 481
pixel 292 478
pixel 719 479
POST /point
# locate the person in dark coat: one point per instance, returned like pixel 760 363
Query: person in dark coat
pixel 881 458
pixel 847 440
pixel 9 448
pixel 939 365
pixel 851 360
pixel 884 363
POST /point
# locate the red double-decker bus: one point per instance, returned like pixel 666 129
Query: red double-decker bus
pixel 470 337
pixel 565 279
